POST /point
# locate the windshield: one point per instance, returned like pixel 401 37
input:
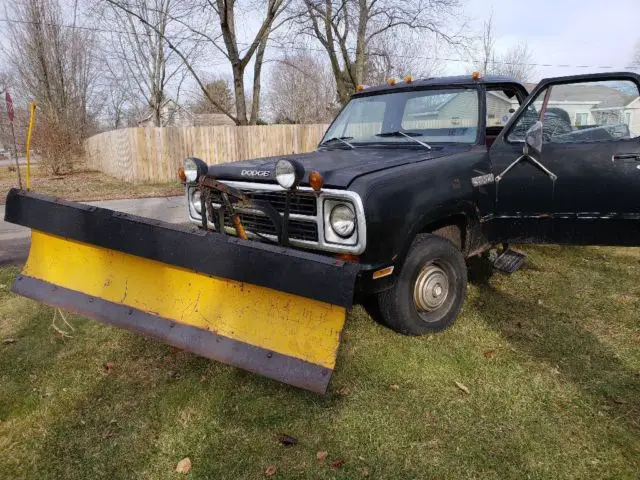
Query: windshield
pixel 432 116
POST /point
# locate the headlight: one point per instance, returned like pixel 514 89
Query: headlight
pixel 342 220
pixel 194 168
pixel 288 173
pixel 196 201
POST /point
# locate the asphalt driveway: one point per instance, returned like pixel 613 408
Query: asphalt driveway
pixel 15 240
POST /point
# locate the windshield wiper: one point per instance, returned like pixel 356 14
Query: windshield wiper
pixel 339 139
pixel 409 135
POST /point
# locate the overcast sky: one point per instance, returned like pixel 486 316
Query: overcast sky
pixel 595 33
pixel 573 32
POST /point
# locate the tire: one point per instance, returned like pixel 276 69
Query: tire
pixel 439 267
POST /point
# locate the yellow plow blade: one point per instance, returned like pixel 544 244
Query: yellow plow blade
pixel 279 313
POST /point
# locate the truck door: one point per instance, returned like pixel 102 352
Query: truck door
pixel 583 186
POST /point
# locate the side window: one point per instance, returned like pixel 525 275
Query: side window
pixel 500 106
pixel 527 118
pixel 585 112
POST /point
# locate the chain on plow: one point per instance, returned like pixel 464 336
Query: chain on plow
pixel 233 199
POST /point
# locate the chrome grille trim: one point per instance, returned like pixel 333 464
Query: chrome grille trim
pixel 355 248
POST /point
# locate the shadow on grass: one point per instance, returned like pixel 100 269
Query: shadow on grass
pixel 561 342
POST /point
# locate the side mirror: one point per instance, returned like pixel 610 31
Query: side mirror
pixel 533 140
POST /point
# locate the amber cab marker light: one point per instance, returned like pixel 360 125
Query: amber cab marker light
pixel 359 88
pixel 475 75
pixel 391 81
pixel 181 174
pixel 316 180
pixel 383 272
pixel 408 79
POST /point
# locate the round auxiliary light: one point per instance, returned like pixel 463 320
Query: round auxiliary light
pixel 342 220
pixel 288 174
pixel 194 168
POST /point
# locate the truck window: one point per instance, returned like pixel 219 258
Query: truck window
pixel 441 110
pixel 432 115
pixel 584 112
pixel 365 119
pixel 501 104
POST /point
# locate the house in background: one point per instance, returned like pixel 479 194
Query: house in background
pixel 174 115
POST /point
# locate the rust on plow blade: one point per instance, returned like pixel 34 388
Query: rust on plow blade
pixel 268 309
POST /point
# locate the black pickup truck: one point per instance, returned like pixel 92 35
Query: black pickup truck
pixel 415 179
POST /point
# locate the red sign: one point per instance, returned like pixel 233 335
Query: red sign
pixel 7 97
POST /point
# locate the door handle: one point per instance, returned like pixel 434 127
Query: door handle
pixel 626 156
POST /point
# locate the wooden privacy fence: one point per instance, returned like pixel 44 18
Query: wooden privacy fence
pixel 154 154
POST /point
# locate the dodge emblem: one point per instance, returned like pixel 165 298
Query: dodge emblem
pixel 255 173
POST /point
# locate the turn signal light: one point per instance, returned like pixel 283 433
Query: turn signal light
pixel 408 79
pixel 475 75
pixel 391 81
pixel 383 272
pixel 316 180
pixel 181 174
pixel 347 257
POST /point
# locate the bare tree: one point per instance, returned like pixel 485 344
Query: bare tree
pixel 139 60
pixel 346 30
pixel 635 58
pixel 219 90
pixel 55 68
pixel 485 58
pixel 216 26
pixel 517 62
pixel 301 89
pixel 398 54
pixel 118 100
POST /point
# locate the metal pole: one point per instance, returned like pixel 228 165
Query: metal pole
pixel 32 116
pixel 15 155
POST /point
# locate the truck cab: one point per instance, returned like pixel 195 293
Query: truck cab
pixel 415 178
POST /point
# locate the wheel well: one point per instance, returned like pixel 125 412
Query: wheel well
pixel 452 228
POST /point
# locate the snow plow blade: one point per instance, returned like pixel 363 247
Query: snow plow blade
pixel 271 310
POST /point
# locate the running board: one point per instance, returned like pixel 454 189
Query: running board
pixel 509 260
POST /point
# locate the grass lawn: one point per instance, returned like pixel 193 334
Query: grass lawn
pixel 84 185
pixel 550 357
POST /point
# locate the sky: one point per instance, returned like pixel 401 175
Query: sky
pixel 564 32
pixel 595 33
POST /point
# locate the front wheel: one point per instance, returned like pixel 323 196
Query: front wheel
pixel 430 289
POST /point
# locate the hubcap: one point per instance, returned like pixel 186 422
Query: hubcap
pixel 431 288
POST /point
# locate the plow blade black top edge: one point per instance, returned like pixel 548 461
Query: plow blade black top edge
pixel 284 269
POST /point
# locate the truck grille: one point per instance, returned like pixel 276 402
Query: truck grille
pixel 307 223
pixel 300 203
pixel 258 223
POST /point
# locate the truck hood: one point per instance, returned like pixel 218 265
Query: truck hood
pixel 339 166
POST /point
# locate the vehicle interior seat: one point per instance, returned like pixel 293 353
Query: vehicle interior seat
pixel 491 134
